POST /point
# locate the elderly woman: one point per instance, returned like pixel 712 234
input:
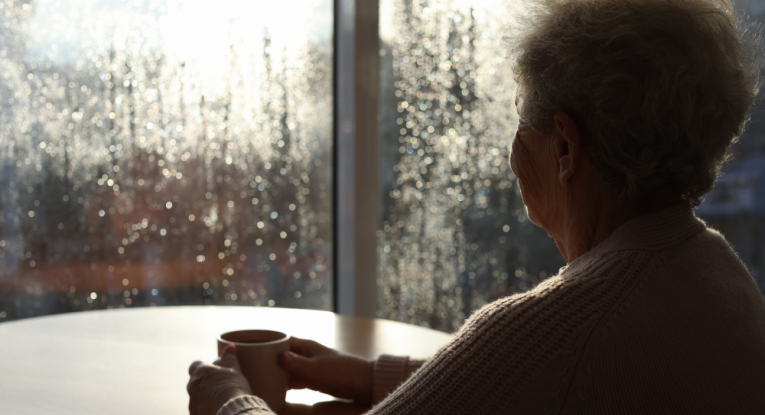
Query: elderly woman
pixel 627 108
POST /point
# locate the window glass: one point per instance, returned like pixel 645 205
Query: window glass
pixel 455 235
pixel 164 152
pixel 736 205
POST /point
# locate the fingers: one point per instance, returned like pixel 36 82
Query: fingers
pixel 228 352
pixel 210 387
pixel 195 365
pixel 192 406
pixel 298 365
pixel 305 347
pixel 228 358
pixel 231 348
pixel 296 382
pixel 298 345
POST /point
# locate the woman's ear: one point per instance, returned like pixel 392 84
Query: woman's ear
pixel 568 147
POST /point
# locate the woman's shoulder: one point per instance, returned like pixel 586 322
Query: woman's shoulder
pixel 517 305
pixel 551 299
pixel 694 310
pixel 514 340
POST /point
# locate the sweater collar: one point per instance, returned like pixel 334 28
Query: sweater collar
pixel 653 232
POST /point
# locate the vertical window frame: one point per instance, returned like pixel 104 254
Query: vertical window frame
pixel 356 181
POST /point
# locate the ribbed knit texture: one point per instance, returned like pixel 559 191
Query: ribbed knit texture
pixel 245 405
pixel 662 317
pixel 389 372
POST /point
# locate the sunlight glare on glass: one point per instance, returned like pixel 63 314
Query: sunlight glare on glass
pixel 160 144
pixel 195 31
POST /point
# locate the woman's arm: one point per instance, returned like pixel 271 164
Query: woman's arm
pixel 390 372
pixel 314 366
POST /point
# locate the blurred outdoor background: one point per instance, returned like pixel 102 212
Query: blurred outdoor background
pixel 164 152
pixel 159 152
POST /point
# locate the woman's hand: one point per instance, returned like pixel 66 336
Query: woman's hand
pixel 313 366
pixel 212 385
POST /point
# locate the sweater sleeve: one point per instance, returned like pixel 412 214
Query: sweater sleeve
pixel 389 372
pixel 245 405
pixel 496 354
pixel 492 358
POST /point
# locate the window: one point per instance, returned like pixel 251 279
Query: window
pixel 158 153
pixel 454 235
pixel 167 152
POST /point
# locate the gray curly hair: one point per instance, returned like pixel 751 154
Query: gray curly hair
pixel 659 88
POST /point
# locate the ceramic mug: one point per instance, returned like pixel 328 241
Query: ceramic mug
pixel 258 353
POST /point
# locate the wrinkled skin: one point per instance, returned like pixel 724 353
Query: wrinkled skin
pixel 308 363
pixel 535 162
pixel 212 385
pixel 313 366
pixel 561 188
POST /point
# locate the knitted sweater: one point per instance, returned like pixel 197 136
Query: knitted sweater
pixel 661 317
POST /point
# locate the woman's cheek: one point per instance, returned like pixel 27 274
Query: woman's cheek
pixel 519 182
pixel 519 162
pixel 513 162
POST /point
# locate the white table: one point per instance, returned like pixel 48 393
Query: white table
pixel 135 361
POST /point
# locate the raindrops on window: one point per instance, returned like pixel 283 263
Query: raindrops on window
pixel 455 235
pixel 162 152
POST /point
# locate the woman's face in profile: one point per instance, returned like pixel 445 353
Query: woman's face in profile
pixel 533 162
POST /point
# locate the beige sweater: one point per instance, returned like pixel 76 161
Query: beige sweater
pixel 662 317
